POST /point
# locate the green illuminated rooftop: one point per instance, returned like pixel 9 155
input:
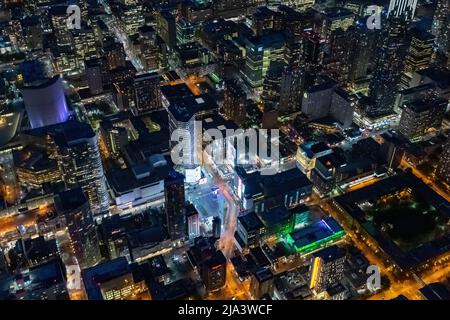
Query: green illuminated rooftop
pixel 315 236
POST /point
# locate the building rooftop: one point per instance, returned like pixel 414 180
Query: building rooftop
pixel 158 266
pixel 275 216
pixel 424 104
pixel 267 40
pixel 251 222
pixel 332 160
pixel 70 200
pixel 33 159
pixel 338 13
pixel 184 108
pixel 125 180
pixel 312 148
pixel 216 121
pixel 330 254
pixel 335 289
pixel 436 291
pixel 440 76
pixel 273 185
pixel 263 274
pixel 315 235
pixel 94 276
pixel 65 134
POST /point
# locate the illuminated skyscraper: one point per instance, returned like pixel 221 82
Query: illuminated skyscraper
pixel 147 95
pixel 175 205
pixel 166 27
pixel 75 147
pixel 185 31
pixel 363 41
pixel 74 205
pixel 94 74
pixel 419 55
pixel 45 102
pixel 149 47
pixel 114 54
pixel 272 83
pixel 193 221
pixel 327 268
pixel 389 63
pixel 291 89
pixel 234 102
pixel 260 52
pixel 62 34
pixel 421 116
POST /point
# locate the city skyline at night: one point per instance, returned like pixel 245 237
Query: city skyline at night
pixel 235 150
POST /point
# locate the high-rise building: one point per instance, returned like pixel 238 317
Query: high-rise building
pixel 419 55
pixel 58 16
pixel 291 89
pixel 335 18
pixel 149 47
pixel 114 54
pixel 45 102
pixel 166 27
pixel 185 31
pixel 260 51
pixel 32 32
pixel 404 9
pixel 362 52
pixel 293 52
pixel 132 18
pixel 34 169
pixel 210 263
pixel 193 221
pixel 175 205
pixel 261 283
pixel 443 171
pixel 182 120
pixel 272 83
pixel 234 103
pixel 147 94
pixel 74 206
pixel 317 100
pixel 389 63
pixel 327 268
pixel 303 4
pixel 94 69
pixel 216 227
pixel 74 145
pixel 338 62
pixel 265 20
pixel 46 281
pixel 115 132
pixel 313 50
pixel 422 116
pixel 112 280
pixel 231 8
pixel 85 45
pixel 342 107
